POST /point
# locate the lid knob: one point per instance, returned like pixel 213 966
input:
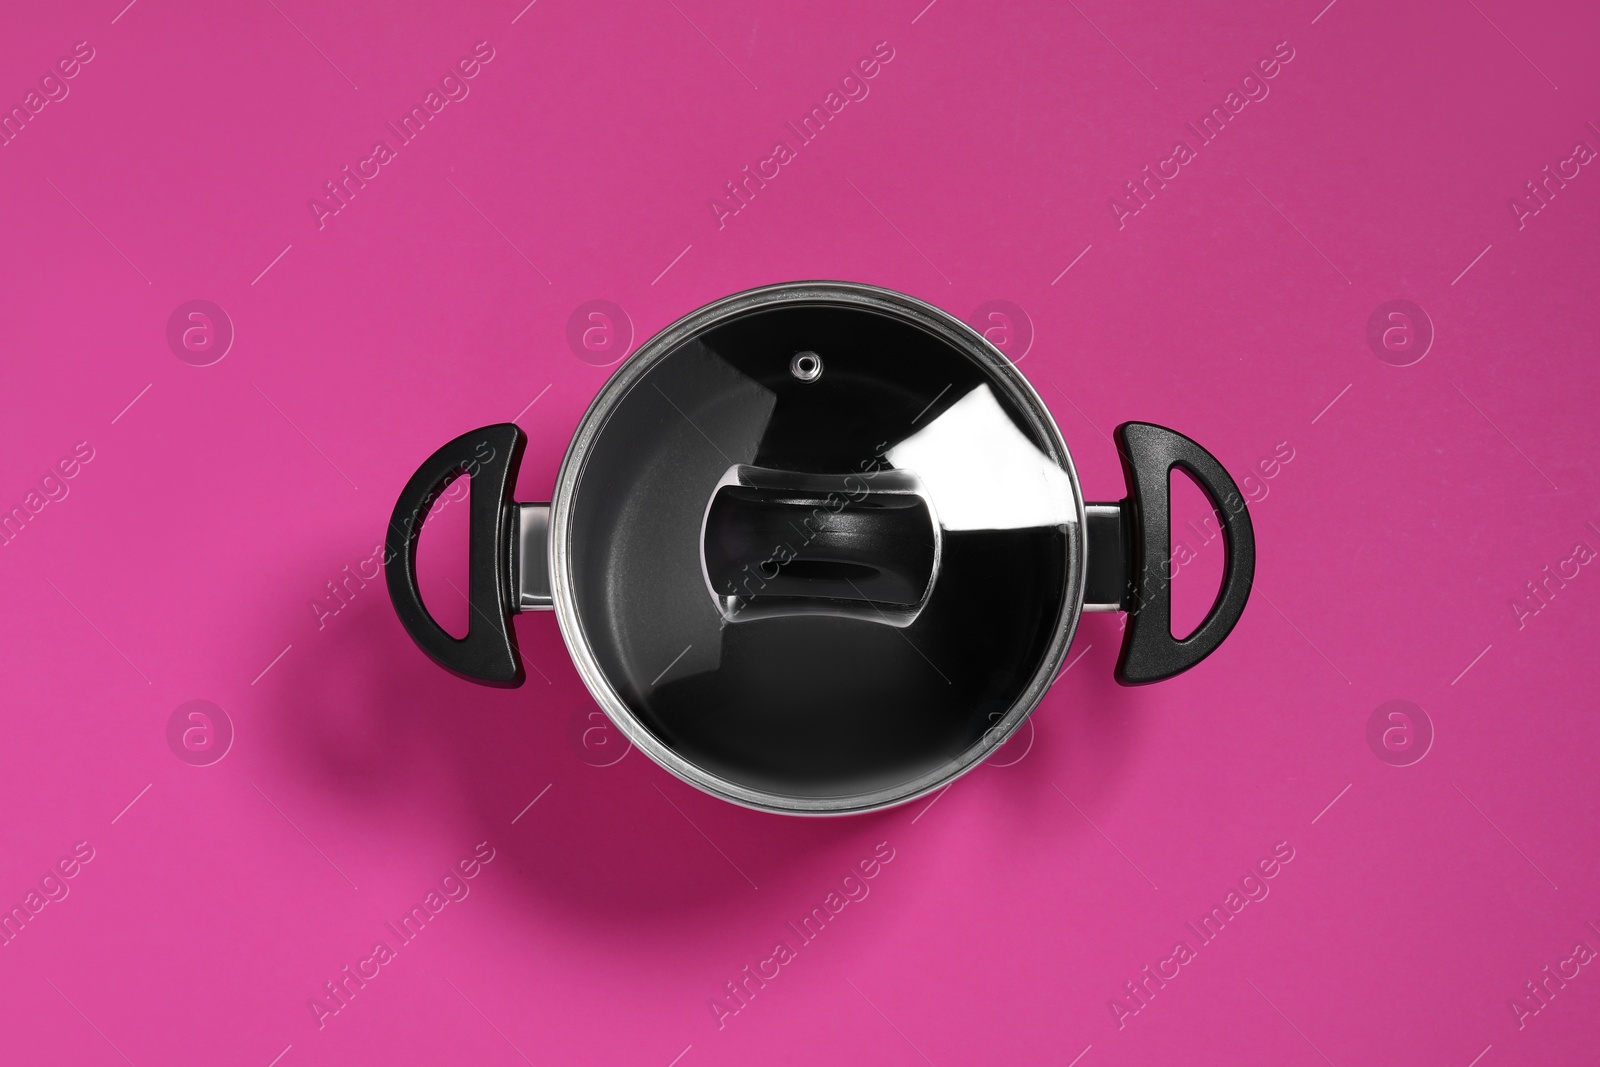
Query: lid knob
pixel 785 543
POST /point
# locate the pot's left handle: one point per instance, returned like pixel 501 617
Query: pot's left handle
pixel 490 456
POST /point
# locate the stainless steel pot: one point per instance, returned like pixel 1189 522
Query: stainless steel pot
pixel 818 548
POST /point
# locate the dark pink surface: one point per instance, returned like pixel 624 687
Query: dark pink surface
pixel 186 556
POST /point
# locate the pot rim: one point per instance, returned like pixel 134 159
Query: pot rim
pixel 941 324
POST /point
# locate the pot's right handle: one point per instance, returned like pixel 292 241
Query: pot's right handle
pixel 1130 553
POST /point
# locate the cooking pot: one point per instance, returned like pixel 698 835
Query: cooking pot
pixel 818 548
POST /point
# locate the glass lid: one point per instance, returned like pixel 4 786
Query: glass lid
pixel 822 548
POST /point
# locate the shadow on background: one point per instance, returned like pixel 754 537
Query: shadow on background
pixel 368 723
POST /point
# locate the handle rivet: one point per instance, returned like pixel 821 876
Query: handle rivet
pixel 806 366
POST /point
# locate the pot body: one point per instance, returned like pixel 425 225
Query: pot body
pixel 568 534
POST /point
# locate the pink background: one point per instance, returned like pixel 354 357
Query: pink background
pixel 185 559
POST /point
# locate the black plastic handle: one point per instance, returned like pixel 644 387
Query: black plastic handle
pixel 1149 651
pixel 767 542
pixel 490 457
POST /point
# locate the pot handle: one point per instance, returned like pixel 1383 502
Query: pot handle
pixel 1132 541
pixel 490 456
